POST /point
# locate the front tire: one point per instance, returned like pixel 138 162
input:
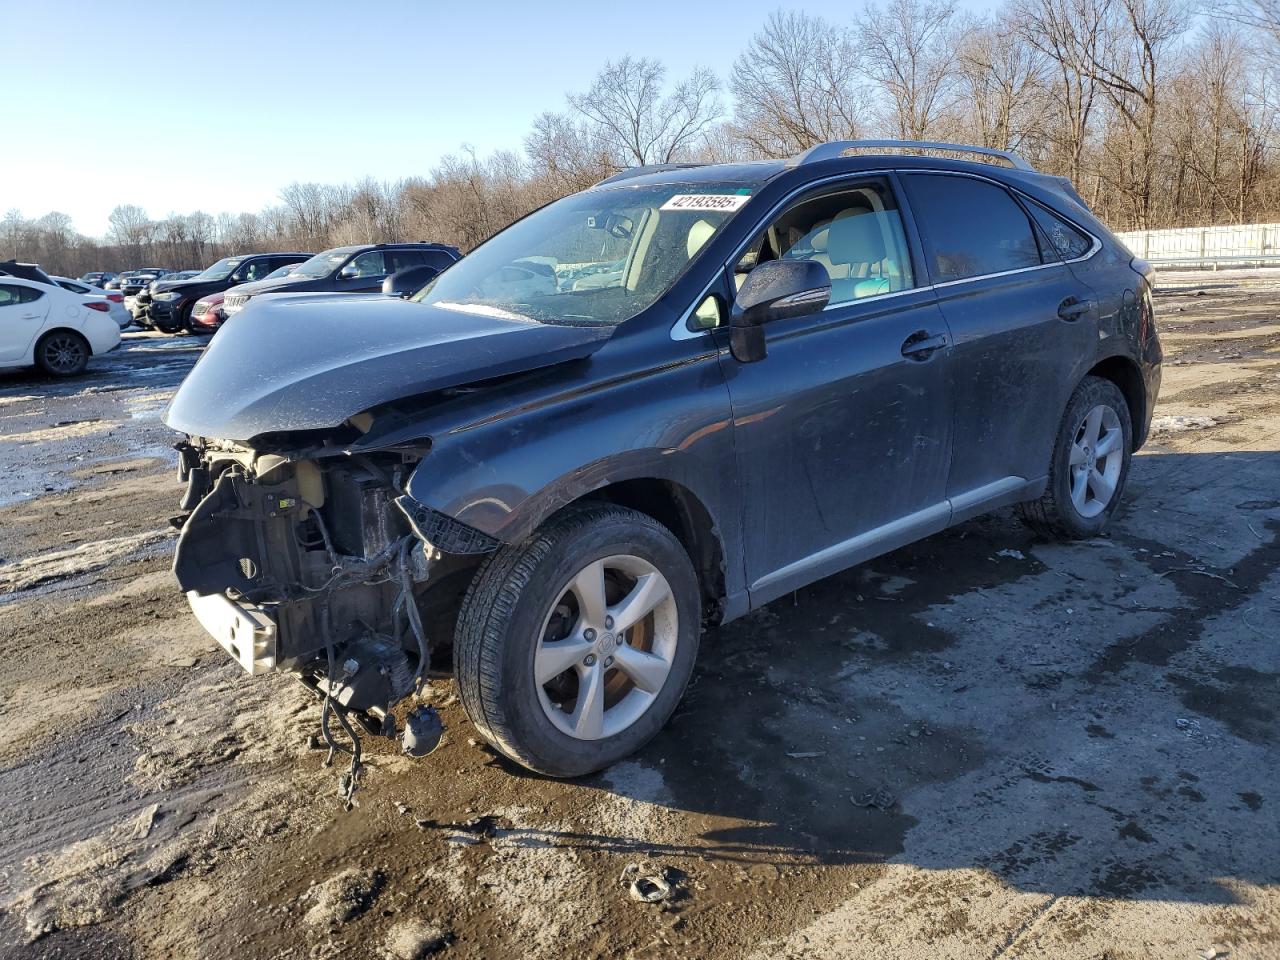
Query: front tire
pixel 62 353
pixel 1089 465
pixel 574 647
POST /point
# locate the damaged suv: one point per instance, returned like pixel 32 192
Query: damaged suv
pixel 645 408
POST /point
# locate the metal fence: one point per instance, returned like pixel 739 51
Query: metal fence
pixel 1208 247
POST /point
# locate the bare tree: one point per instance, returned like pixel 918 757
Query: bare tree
pixel 908 48
pixel 1070 34
pixel 637 124
pixel 1004 82
pixel 567 151
pixel 796 85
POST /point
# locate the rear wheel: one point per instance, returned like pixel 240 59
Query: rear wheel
pixel 574 647
pixel 62 353
pixel 1089 466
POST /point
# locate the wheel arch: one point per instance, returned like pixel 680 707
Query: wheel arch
pixel 678 509
pixel 1124 373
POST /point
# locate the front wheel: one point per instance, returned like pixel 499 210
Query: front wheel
pixel 62 353
pixel 574 647
pixel 1089 465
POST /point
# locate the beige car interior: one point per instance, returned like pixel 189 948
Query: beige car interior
pixel 861 244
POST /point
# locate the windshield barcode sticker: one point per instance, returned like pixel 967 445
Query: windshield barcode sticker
pixel 727 202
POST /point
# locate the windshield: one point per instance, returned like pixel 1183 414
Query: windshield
pixel 279 272
pixel 596 257
pixel 322 264
pixel 220 270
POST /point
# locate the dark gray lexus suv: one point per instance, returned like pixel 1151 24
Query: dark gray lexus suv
pixel 656 404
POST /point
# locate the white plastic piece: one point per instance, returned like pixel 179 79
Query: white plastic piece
pixel 244 631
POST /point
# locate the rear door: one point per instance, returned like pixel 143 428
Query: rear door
pixel 1022 326
pixel 22 315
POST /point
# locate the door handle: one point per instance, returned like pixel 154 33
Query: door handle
pixel 922 344
pixel 31 316
pixel 1073 309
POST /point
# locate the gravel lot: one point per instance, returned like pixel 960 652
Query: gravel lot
pixel 979 746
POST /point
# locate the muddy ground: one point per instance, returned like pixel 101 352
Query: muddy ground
pixel 982 745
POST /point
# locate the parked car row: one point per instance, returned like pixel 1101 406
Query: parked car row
pixel 176 304
pixel 56 323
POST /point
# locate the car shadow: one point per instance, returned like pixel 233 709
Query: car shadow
pixel 1093 718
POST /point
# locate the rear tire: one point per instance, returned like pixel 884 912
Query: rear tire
pixel 1088 467
pixel 522 619
pixel 62 353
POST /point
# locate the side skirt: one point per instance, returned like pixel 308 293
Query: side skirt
pixel 890 536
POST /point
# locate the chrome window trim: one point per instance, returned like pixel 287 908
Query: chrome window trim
pixel 681 331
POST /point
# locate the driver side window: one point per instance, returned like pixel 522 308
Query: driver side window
pixel 368 264
pixel 854 231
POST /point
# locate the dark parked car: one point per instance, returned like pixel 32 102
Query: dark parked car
pixel 735 380
pixel 133 282
pixel 170 302
pixel 357 269
pixel 98 278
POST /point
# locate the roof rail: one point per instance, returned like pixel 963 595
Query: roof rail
pixel 838 148
pixel 630 172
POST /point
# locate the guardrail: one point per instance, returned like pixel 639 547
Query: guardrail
pixel 1208 247
pixel 1214 263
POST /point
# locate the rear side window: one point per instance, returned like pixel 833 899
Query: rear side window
pixel 971 227
pixel 438 259
pixel 403 259
pixel 11 294
pixel 1065 239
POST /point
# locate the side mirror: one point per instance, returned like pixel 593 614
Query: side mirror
pixel 775 290
pixel 405 283
pixel 348 272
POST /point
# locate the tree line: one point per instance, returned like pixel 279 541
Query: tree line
pixel 1162 115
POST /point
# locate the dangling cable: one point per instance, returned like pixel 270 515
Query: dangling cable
pixel 350 780
pixel 415 616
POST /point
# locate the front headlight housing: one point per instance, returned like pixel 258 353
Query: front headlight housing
pixel 168 296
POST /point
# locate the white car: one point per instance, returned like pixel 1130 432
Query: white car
pixel 115 301
pixel 51 328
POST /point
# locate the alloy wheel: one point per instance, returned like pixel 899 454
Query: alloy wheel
pixel 606 647
pixel 1097 457
pixel 63 353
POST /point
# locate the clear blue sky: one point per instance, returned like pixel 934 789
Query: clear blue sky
pixel 183 105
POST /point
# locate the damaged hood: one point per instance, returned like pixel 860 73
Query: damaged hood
pixel 306 363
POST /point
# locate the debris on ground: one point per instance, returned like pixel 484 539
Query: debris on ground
pixel 1179 423
pixel 1214 952
pixel 878 799
pixel 807 754
pixel 1011 554
pixel 644 884
pixel 342 897
pixel 415 939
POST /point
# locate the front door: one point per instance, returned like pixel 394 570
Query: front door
pixel 842 432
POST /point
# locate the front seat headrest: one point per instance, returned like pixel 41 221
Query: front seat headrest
pixel 855 239
pixel 699 234
pixel 819 240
